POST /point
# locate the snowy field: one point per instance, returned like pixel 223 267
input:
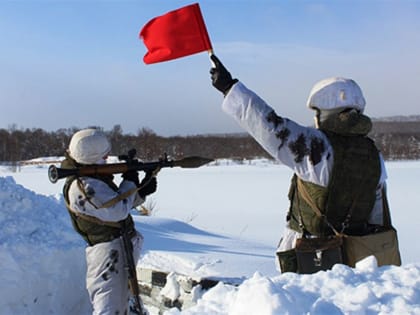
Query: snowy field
pixel 220 220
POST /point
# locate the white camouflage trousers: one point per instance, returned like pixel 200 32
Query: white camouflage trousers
pixel 107 276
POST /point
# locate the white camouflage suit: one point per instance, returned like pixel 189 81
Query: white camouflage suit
pixel 262 123
pixel 106 277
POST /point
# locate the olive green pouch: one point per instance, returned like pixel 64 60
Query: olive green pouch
pixel 287 260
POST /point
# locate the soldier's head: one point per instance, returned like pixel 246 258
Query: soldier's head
pixel 333 96
pixel 89 146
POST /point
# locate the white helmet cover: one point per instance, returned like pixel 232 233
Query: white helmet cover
pixel 89 146
pixel 335 93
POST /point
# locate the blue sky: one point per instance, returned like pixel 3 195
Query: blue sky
pixel 79 63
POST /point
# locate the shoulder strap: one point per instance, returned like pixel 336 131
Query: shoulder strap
pixel 110 202
pixel 120 197
pixel 126 194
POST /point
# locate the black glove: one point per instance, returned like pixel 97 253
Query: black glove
pixel 132 176
pixel 220 76
pixel 148 186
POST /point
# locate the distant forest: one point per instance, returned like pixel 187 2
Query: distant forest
pixel 397 140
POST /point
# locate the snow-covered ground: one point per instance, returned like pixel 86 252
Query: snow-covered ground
pixel 221 221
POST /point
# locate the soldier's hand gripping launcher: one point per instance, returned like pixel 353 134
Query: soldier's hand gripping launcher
pixel 56 173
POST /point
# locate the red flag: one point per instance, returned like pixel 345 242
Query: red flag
pixel 176 34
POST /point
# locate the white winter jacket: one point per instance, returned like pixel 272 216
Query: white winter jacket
pixel 251 112
pixel 100 193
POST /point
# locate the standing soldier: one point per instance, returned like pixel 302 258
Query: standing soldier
pixel 338 170
pixel 98 213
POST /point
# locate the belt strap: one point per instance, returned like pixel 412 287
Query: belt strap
pixel 92 218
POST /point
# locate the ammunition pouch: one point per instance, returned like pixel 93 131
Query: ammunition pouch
pixel 315 254
pixel 287 260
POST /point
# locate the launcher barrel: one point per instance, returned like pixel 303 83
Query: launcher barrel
pixel 56 173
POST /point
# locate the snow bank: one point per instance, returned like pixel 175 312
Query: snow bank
pixel 42 258
pixel 366 289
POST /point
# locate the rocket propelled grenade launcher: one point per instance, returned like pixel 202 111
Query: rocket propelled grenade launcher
pixel 56 173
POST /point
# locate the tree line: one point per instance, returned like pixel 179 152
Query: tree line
pixel 396 140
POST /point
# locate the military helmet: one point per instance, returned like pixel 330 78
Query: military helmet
pixel 89 146
pixel 336 93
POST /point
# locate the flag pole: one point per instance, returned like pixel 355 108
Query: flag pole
pixel 210 51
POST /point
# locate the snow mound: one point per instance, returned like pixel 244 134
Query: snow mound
pixel 42 258
pixel 32 219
